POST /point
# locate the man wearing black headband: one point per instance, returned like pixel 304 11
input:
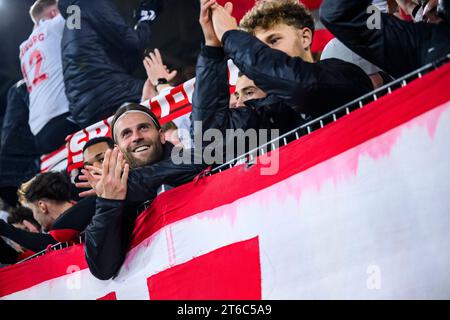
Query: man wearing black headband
pixel 130 175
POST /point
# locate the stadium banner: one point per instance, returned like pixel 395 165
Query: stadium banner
pixel 356 210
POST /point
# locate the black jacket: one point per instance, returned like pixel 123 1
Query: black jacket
pixel 397 47
pixel 310 88
pixel 108 235
pixel 19 159
pixel 96 60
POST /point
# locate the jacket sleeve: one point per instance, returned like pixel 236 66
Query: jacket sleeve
pixel 30 240
pixel 108 22
pixel 211 98
pixel 273 71
pixel 395 46
pixel 106 239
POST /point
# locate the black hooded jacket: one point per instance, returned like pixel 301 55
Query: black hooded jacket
pixel 96 59
pixel 398 47
pixel 108 235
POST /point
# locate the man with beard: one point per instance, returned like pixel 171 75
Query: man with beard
pixel 131 174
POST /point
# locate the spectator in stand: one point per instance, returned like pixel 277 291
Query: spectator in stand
pixel 96 58
pixel 275 53
pixel 252 108
pixel 19 158
pixel 397 47
pixel 40 57
pixel 139 139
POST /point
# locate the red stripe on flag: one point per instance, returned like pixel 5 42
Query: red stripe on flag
pixel 239 276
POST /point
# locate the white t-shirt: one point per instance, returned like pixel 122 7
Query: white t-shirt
pixel 40 59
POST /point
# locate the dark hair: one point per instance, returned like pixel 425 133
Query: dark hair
pixel 19 214
pixel 98 140
pixel 130 107
pixel 49 185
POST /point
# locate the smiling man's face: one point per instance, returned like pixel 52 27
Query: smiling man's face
pixel 139 139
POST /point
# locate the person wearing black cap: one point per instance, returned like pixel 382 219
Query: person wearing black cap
pixel 130 175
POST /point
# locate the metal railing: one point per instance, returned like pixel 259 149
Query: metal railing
pixel 295 134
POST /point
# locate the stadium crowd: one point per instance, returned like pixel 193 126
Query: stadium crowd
pixel 74 77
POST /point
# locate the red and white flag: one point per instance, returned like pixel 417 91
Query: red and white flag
pixel 357 210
